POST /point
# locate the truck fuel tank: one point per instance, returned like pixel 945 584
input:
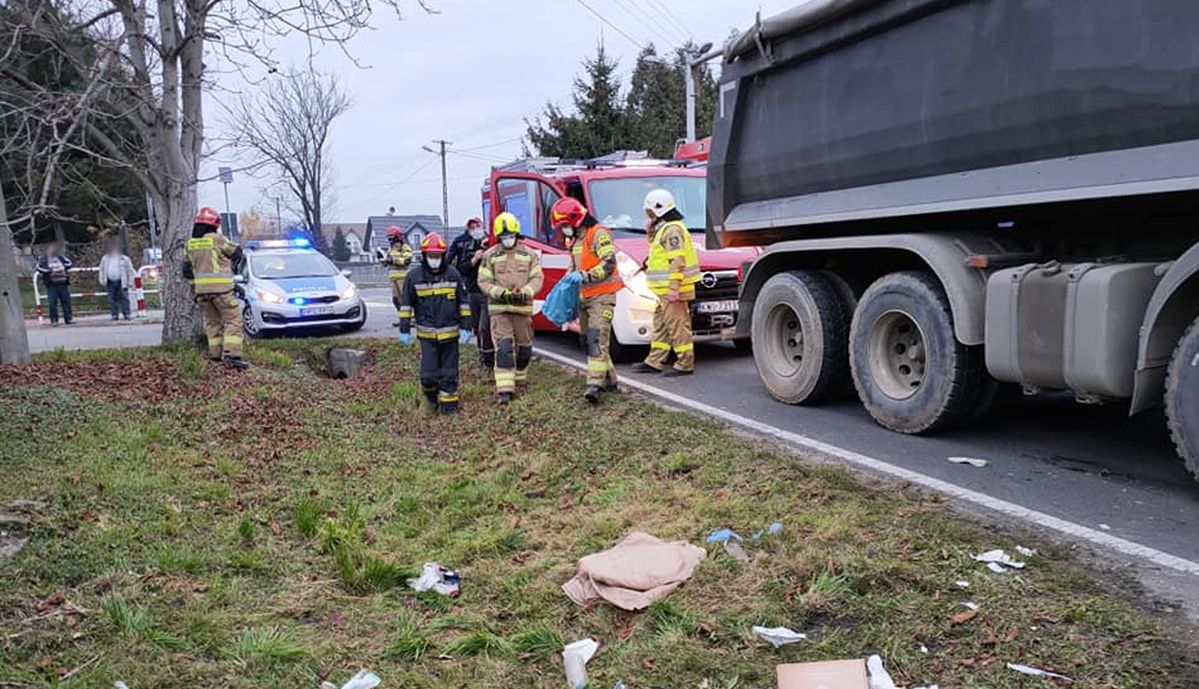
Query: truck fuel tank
pixel 1068 325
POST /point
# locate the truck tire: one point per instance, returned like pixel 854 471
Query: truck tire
pixel 911 373
pixel 1182 398
pixel 799 333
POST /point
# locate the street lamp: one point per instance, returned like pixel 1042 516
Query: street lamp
pixel 695 61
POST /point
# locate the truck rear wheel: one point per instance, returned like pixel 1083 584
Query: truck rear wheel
pixel 799 334
pixel 1182 398
pixel 911 373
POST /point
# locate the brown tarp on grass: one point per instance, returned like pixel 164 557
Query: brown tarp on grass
pixel 635 572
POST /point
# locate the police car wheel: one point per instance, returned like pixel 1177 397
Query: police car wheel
pixel 250 324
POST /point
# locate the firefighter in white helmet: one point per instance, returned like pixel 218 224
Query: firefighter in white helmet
pixel 672 269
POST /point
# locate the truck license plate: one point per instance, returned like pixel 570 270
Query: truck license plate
pixel 722 306
pixel 316 311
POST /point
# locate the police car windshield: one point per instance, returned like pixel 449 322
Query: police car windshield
pixel 619 204
pixel 308 264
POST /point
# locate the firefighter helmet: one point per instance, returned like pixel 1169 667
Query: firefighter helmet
pixel 659 202
pixel 432 244
pixel 395 234
pixel 208 216
pixel 506 223
pixel 567 211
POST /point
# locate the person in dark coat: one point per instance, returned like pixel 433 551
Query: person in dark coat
pixel 465 253
pixel 55 271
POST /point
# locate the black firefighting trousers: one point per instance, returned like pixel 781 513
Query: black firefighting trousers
pixel 439 372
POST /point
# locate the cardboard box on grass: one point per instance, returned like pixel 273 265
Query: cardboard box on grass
pixel 833 674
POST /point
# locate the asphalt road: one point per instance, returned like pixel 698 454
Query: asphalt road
pixel 1090 465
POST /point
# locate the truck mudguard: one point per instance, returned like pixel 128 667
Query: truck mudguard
pixel 1171 309
pixel 945 254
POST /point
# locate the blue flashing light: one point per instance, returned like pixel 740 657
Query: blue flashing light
pixel 298 301
pixel 301 242
pixel 294 243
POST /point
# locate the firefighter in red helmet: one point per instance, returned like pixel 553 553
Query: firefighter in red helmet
pixel 399 257
pixel 436 299
pixel 209 265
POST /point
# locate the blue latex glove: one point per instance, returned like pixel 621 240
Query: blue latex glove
pixel 573 278
pixel 407 339
pixel 463 336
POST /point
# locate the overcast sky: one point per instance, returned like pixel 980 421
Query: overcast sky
pixel 468 74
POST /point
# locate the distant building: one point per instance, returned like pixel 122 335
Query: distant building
pixel 415 228
pixel 355 234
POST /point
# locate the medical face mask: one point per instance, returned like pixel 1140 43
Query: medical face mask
pixel 568 231
pixel 477 234
pixel 508 240
pixel 434 262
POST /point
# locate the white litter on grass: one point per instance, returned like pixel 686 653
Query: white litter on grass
pixel 923 648
pixel 1037 672
pixel 879 678
pixel 972 461
pixel 970 604
pixel 574 657
pixel 778 636
pixel 997 560
pixel 365 679
pixel 962 584
pixel 1026 552
pixel 120 685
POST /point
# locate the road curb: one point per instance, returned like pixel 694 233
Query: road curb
pixel 880 467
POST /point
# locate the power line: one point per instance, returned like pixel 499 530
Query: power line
pixel 410 175
pixel 671 16
pixel 614 27
pixel 646 20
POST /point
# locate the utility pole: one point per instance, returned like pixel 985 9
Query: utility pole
pixel 445 189
pixel 691 73
pixel 279 216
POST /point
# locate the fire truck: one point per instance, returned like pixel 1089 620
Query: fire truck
pixel 614 187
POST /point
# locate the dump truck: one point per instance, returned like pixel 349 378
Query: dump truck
pixel 961 198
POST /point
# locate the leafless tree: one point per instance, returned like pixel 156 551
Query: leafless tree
pixel 149 60
pixel 286 125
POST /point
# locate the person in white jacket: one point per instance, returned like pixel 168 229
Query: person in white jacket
pixel 116 275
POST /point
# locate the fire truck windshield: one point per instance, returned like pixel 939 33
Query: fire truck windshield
pixel 619 203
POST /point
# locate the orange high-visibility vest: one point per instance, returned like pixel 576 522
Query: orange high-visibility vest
pixel 588 256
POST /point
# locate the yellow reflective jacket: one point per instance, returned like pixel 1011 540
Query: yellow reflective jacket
pixel 399 257
pixel 516 271
pixel 672 263
pixel 210 257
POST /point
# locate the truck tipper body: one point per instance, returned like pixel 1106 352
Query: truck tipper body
pixel 961 194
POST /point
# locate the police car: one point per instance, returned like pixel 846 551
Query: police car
pixel 286 285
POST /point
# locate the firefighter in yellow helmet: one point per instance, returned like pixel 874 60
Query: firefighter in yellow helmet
pixel 672 269
pixel 209 266
pixel 399 258
pixel 510 276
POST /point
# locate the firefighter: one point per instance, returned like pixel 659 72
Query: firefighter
pixel 209 266
pixel 672 269
pixel 510 275
pixel 466 251
pixel 399 257
pixel 593 268
pixel 436 299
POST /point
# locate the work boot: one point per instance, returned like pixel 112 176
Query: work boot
pixel 505 398
pixel 675 373
pixel 431 399
pixel 448 409
pixel 642 367
pixel 611 387
pixel 236 362
pixel 592 394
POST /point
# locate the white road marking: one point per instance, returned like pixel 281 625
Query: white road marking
pixel 1011 509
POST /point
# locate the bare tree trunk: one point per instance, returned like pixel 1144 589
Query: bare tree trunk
pixel 14 341
pixel 181 321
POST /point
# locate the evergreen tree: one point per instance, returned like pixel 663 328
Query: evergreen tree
pixel 600 124
pixel 657 102
pixel 341 250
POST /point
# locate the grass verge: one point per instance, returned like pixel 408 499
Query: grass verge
pixel 255 530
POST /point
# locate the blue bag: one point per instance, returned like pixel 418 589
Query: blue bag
pixel 561 304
